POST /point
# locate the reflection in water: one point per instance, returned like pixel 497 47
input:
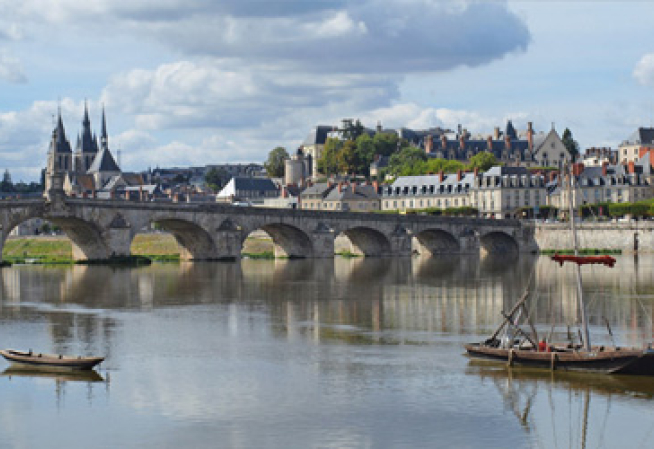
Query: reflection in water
pixel 562 409
pixel 360 352
pixel 70 376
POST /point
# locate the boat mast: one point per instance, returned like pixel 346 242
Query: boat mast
pixel 573 229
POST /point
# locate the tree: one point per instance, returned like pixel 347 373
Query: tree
pixel 570 143
pixel 275 164
pixel 403 161
pixel 386 143
pixel 350 130
pixel 214 179
pixel 328 161
pixel 483 161
pixel 348 158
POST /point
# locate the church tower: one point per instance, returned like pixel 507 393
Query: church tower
pixel 60 161
pixel 87 146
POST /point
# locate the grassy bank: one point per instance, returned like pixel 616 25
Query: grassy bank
pixel 159 247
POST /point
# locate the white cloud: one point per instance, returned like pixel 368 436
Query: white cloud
pixel 11 69
pixel 644 70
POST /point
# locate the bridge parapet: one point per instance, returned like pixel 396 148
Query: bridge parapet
pixel 101 229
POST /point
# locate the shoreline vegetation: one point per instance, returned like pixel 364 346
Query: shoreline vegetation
pixel 160 248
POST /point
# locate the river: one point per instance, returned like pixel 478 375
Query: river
pixel 344 353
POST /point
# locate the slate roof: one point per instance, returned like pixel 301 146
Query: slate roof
pixel 643 136
pixel 253 184
pixel 103 162
pixel 498 170
pixel 59 143
pixel 318 135
pixel 430 184
pixel 321 188
pixel 361 192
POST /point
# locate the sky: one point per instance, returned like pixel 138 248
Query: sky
pixel 197 82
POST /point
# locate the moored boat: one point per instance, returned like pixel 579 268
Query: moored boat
pixel 49 362
pixel 522 347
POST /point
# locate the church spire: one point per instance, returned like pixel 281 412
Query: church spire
pixel 104 139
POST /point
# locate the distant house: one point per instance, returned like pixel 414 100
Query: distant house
pixel 639 143
pixel 314 144
pixel 352 197
pixel 253 190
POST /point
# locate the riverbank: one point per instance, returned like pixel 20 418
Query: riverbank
pixel 156 246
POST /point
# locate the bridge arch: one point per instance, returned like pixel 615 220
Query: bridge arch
pixel 195 243
pixel 368 242
pixel 498 242
pixel 288 241
pixel 437 241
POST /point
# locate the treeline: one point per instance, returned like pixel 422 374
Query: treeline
pixel 614 210
pixel 356 150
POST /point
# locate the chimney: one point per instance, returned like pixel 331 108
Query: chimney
pixel 354 187
pixel 605 166
pixel 284 192
pixel 459 175
pixel 429 144
pixel 444 142
pixel 507 142
pixel 476 172
pixel 496 133
pixel 340 187
pixel 577 169
pixel 632 167
pixel 489 143
pixel 462 142
pixel 441 176
pixel 375 186
pixel 530 136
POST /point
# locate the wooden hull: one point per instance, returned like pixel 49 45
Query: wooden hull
pixel 49 362
pixel 607 361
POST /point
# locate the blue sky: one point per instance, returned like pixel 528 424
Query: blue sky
pixel 195 82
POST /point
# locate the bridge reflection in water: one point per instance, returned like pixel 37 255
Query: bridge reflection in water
pixel 373 345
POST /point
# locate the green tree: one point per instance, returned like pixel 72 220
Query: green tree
pixel 348 158
pixel 214 179
pixel 328 160
pixel 351 130
pixel 386 143
pixel 366 153
pixel 483 161
pixel 404 161
pixel 275 163
pixel 570 143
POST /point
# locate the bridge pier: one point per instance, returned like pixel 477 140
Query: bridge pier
pixel 228 244
pixel 323 243
pixel 400 242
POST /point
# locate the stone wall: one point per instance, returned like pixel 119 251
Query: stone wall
pixel 636 236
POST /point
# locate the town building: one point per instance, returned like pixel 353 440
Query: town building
pixel 298 168
pixel 440 191
pixel 352 197
pixel 639 143
pixel 247 190
pixel 314 145
pixel 620 183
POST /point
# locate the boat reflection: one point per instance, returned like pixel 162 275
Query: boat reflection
pixel 554 407
pixel 70 376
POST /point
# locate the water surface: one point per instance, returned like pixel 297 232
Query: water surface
pixel 349 353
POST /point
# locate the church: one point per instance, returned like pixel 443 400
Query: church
pixel 91 169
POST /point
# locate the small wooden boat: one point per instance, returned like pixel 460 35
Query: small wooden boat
pixel 49 362
pixel 605 360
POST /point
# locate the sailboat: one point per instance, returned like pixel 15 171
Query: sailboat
pixel 519 347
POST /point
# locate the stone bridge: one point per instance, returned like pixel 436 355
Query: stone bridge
pixel 101 229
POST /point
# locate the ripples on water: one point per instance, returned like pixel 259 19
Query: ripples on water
pixel 350 353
